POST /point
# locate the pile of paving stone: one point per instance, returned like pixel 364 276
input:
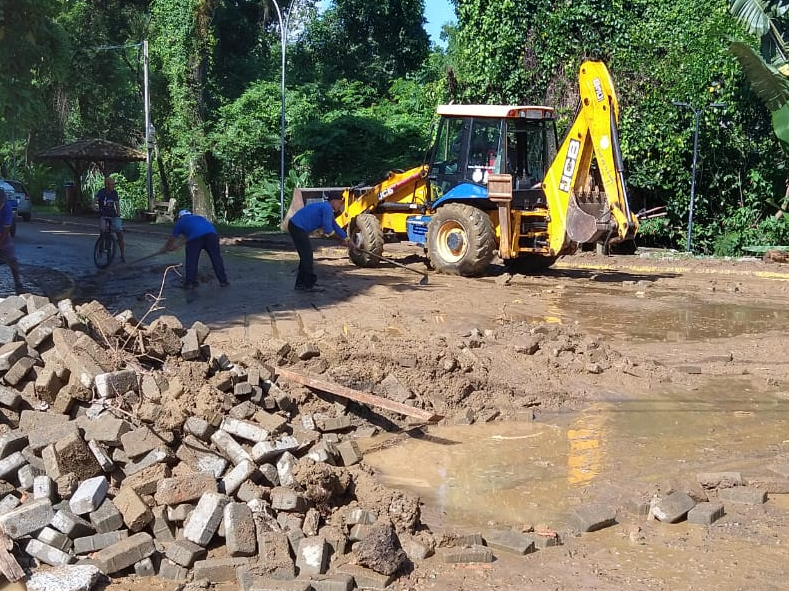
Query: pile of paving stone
pixel 250 490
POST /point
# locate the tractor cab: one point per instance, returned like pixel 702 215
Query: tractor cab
pixel 475 141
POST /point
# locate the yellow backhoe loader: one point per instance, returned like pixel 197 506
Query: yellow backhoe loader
pixel 498 183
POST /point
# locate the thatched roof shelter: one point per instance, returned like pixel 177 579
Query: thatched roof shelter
pixel 78 156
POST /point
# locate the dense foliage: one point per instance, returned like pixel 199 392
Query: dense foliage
pixel 362 85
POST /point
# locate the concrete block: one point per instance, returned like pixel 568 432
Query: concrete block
pixel 89 495
pixel 705 513
pixel 337 582
pixel 712 480
pixel 248 581
pixel 27 518
pixel 44 487
pixel 8 334
pixel 125 553
pixel 198 427
pixel 104 429
pixel 179 512
pixel 349 452
pixel 47 384
pixel 509 541
pixel 312 556
pixel 366 578
pixel 201 458
pixel 144 568
pixel 11 464
pixel 358 515
pixel 181 489
pixel 98 316
pixel 172 572
pixel 147 480
pixel 54 538
pixel 184 552
pixel 10 354
pixel 116 383
pixel 102 456
pixel 43 428
pixel 218 570
pixel 12 441
pixel 37 337
pixel 28 322
pixel 204 520
pixel 589 518
pixel 229 447
pixel 240 536
pixel 72 525
pixel 237 475
pixel 8 502
pixel 136 514
pixel 743 495
pixel 161 527
pixel 73 455
pixel 47 554
pixel 106 518
pixel 285 466
pixel 96 542
pixel 674 507
pixel 143 440
pixel 153 457
pixel 10 398
pixel 26 475
pixel 332 424
pixel 242 429
pixel 287 499
pixel 75 577
pixel 19 371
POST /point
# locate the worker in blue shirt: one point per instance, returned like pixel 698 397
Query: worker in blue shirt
pixel 200 235
pixel 7 250
pixel 318 215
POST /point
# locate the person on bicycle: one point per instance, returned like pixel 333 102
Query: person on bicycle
pixel 110 211
pixel 200 235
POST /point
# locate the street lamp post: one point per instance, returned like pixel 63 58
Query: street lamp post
pixel 697 115
pixel 149 131
pixel 283 39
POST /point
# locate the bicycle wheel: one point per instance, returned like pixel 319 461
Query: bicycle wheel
pixel 104 250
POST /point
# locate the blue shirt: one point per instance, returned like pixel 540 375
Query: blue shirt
pixel 317 215
pixel 193 226
pixel 7 214
pixel 107 201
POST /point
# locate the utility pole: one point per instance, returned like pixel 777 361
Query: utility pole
pixel 149 139
pixel 697 114
pixel 283 40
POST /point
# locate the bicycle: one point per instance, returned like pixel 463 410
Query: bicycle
pixel 104 250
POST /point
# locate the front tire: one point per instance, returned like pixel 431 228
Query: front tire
pixel 104 251
pixel 460 240
pixel 366 233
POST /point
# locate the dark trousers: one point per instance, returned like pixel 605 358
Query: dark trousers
pixel 210 244
pixel 301 240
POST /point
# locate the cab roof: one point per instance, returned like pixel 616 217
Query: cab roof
pixel 497 111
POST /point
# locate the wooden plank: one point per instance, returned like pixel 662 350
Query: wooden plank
pixel 357 396
pixel 9 567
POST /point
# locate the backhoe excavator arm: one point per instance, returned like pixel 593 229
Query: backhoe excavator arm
pixel 576 214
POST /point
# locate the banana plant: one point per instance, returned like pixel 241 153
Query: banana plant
pixel 768 73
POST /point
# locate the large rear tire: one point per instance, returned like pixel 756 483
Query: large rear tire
pixel 366 233
pixel 527 264
pixel 460 240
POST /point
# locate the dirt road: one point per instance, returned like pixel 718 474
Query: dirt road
pixel 604 382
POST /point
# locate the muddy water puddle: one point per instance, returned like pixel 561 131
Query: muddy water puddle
pixel 536 472
pixel 647 317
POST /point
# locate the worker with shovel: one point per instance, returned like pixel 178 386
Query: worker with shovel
pixel 200 235
pixel 311 217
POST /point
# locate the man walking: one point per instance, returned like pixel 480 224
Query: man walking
pixel 110 211
pixel 7 250
pixel 200 235
pixel 311 217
